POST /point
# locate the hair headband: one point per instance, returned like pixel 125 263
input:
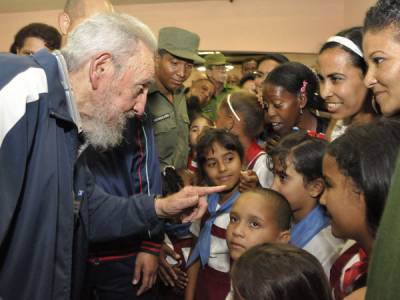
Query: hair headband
pixel 228 100
pixel 347 43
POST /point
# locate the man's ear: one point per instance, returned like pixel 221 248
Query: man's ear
pixel 315 187
pixel 101 65
pixel 63 23
pixel 284 237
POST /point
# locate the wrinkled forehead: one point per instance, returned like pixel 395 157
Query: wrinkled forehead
pixel 143 60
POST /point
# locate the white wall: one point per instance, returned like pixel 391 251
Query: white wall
pixel 244 25
pixel 355 11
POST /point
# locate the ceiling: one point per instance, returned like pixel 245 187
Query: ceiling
pixel 9 6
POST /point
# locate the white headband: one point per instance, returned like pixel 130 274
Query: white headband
pixel 231 107
pixel 347 43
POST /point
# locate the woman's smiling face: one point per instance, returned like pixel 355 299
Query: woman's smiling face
pixel 341 83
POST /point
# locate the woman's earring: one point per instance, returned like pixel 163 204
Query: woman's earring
pixel 375 105
pixel 301 110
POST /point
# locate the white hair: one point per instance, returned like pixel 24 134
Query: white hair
pixel 113 32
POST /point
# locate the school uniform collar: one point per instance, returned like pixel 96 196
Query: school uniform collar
pixel 306 229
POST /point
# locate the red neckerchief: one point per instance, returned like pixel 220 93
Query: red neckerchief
pixel 192 164
pixel 252 154
pixel 351 275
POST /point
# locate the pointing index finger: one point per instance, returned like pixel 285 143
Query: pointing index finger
pixel 204 190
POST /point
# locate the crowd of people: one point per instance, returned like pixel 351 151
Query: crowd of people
pixel 117 181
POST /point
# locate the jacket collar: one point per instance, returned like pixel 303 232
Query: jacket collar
pixel 57 74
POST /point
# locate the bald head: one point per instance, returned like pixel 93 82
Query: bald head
pixel 75 11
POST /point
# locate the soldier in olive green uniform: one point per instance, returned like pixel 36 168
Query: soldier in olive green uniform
pixel 216 73
pixel 177 51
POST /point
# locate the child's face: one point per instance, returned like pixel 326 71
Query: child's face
pixel 196 128
pixel 223 166
pixel 252 222
pixel 291 184
pixel 283 108
pixel 204 90
pixel 345 204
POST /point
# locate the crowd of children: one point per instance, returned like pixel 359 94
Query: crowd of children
pixel 306 228
pixel 306 158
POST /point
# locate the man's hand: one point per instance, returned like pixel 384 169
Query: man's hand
pixel 190 202
pixel 146 267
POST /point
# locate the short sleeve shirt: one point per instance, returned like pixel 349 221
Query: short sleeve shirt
pixel 171 127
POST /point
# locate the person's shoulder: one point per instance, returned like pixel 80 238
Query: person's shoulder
pixel 153 89
pixel 14 64
pixel 9 58
pixel 22 71
pixel 154 98
pixel 326 242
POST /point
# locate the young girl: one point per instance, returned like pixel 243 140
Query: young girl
pixel 341 70
pixel 357 169
pixel 198 124
pixel 219 155
pixel 288 94
pixel 241 114
pixel 258 216
pixel 279 272
pixel 298 176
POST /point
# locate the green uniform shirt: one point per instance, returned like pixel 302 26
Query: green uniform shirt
pixel 384 270
pixel 171 127
pixel 210 110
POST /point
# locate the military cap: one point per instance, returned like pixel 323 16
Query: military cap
pixel 215 59
pixel 180 43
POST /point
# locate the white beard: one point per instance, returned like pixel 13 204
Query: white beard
pixel 104 128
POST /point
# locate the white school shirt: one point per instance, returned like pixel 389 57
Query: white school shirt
pixel 325 247
pixel 264 174
pixel 219 253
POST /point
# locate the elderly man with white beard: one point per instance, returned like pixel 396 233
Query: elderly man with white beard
pixel 51 106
